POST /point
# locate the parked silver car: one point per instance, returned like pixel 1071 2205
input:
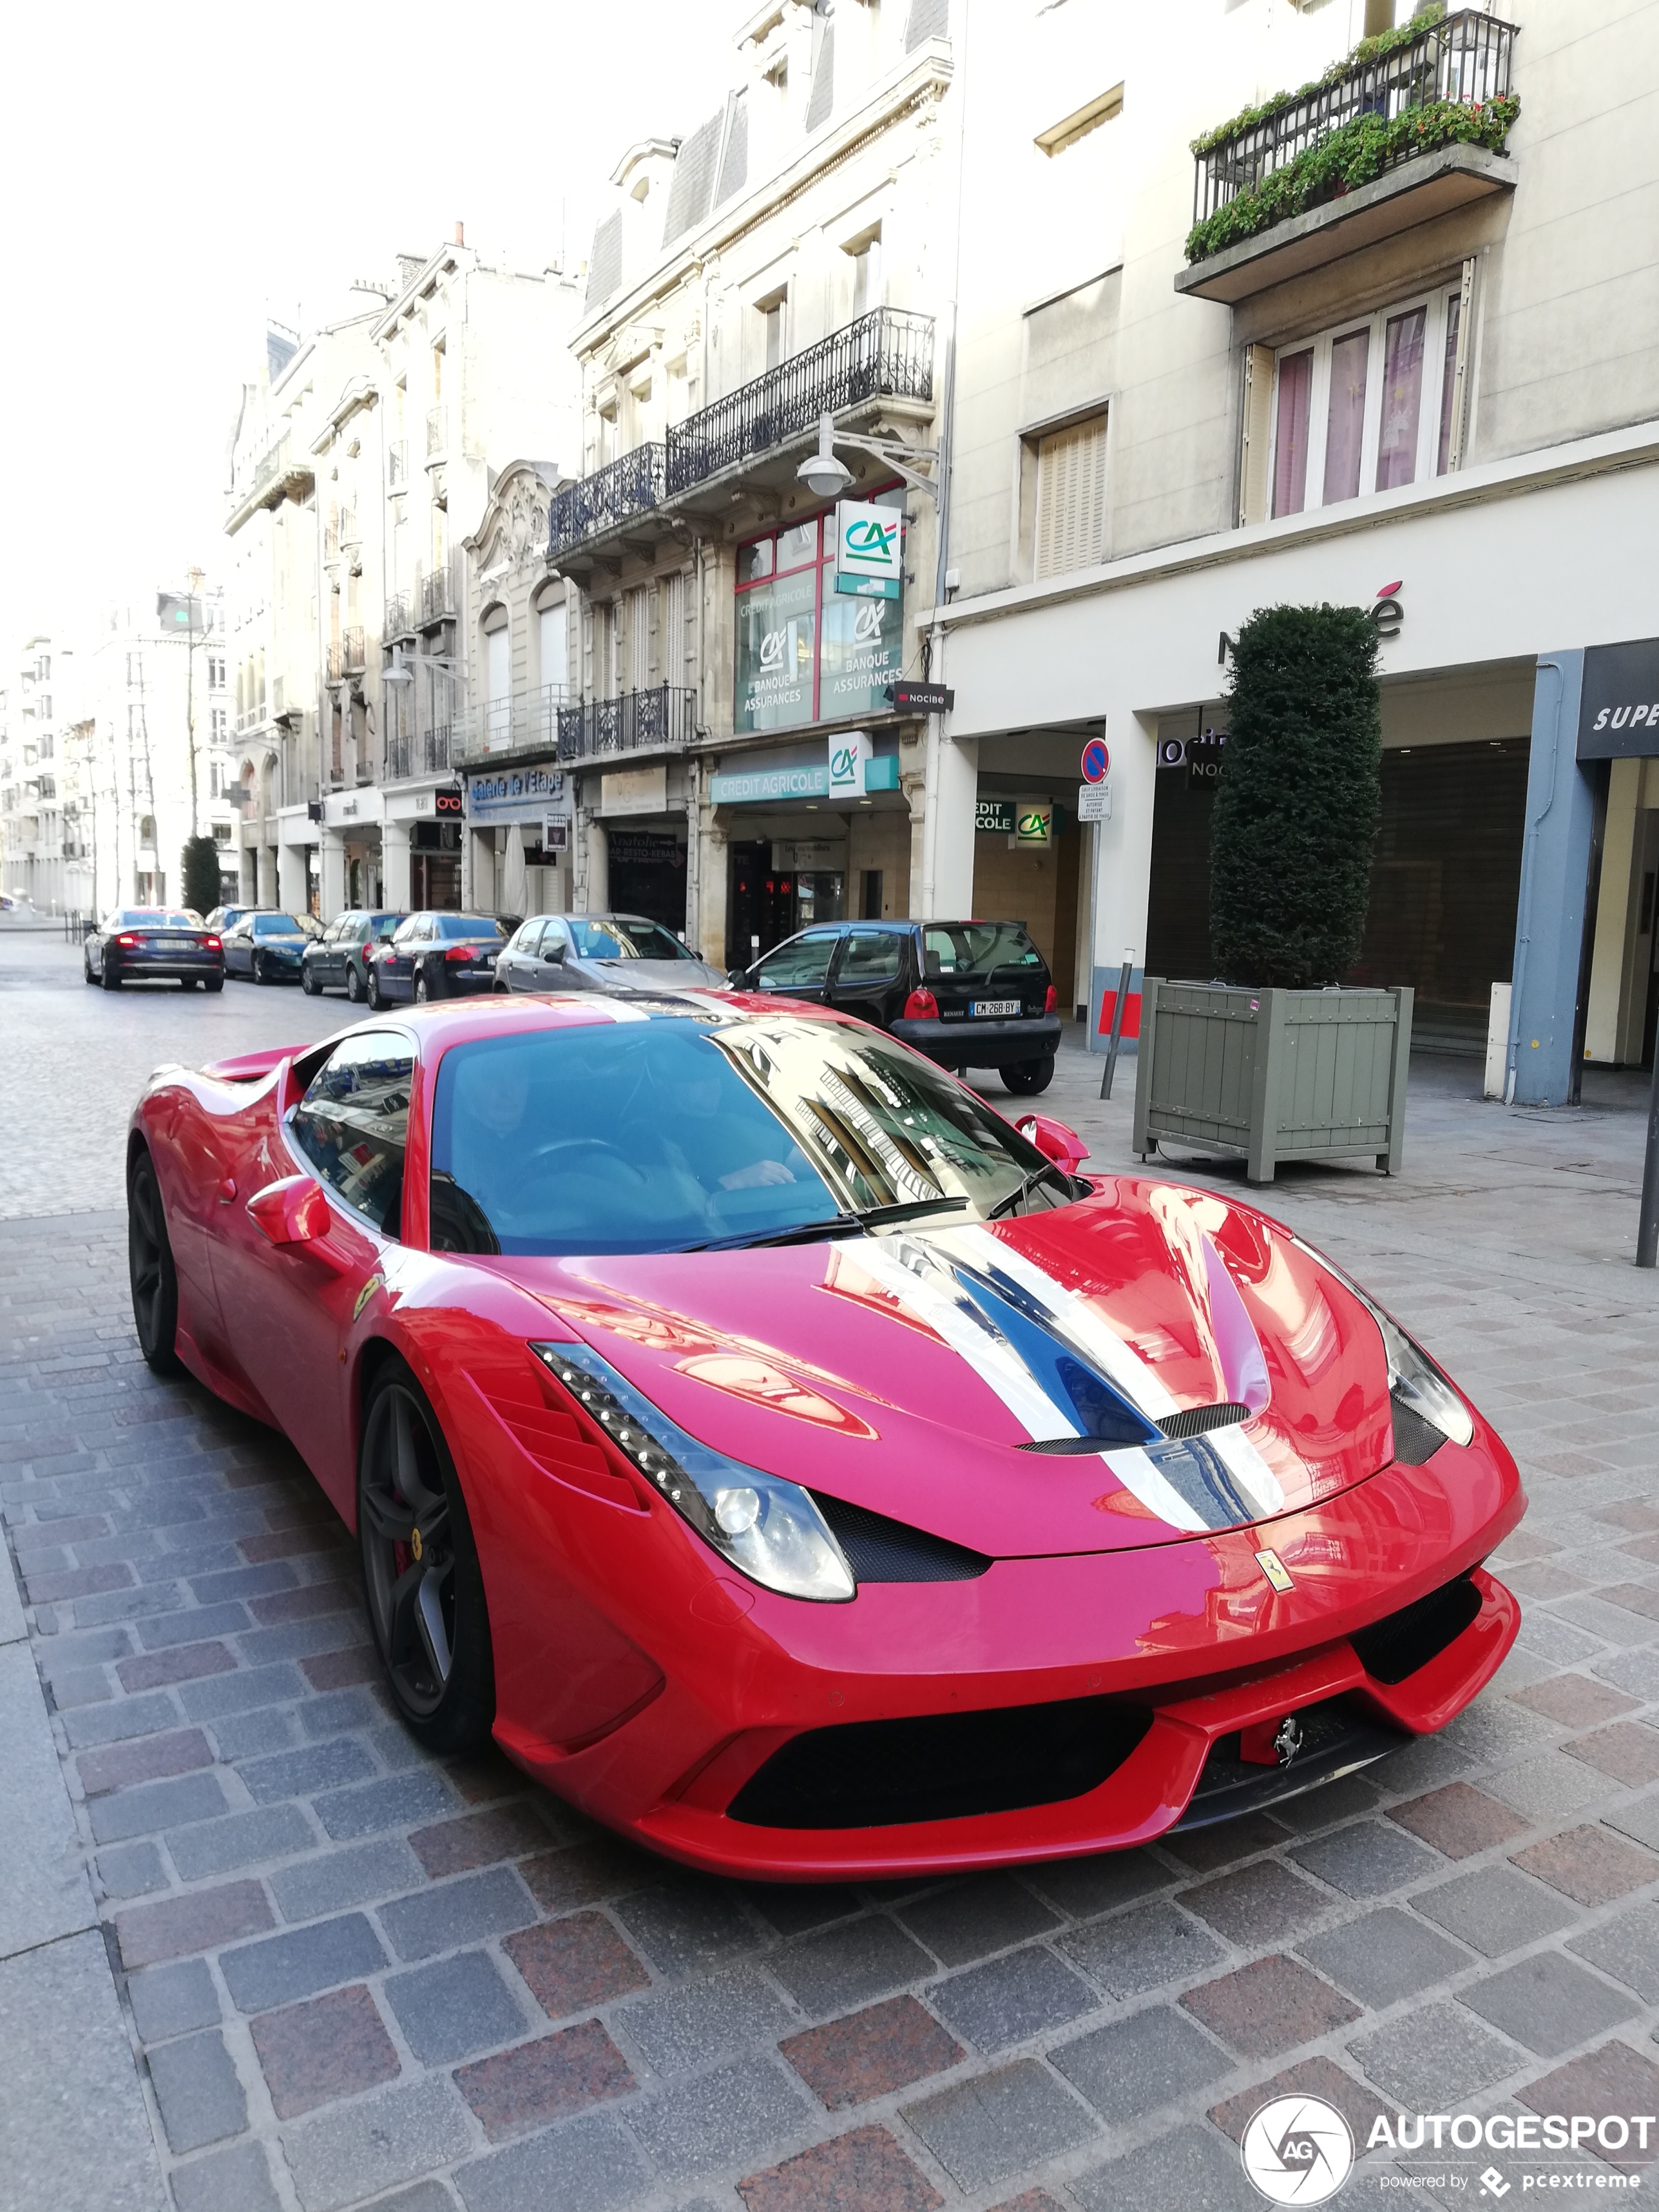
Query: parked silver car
pixel 613 952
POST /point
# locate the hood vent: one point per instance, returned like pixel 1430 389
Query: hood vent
pixel 1192 1421
pixel 882 1551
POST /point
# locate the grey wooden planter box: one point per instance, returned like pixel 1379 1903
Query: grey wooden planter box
pixel 1276 1075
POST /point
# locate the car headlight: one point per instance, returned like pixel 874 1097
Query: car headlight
pixel 769 1529
pixel 1427 1410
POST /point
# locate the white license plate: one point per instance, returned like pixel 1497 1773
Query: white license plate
pixel 994 1006
pixel 173 944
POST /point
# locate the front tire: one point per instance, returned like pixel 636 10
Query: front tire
pixel 86 970
pixel 1027 1076
pixel 421 1574
pixel 353 985
pixel 423 989
pixel 308 982
pixel 150 1269
pixel 259 975
pixel 376 996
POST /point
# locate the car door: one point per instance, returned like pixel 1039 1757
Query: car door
pixel 396 965
pixel 800 967
pixel 239 946
pixel 289 1308
pixel 554 969
pixel 871 974
pixel 520 965
pixel 330 955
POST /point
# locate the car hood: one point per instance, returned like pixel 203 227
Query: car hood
pixel 652 975
pixel 911 1372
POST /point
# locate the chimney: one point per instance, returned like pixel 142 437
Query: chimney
pixel 460 233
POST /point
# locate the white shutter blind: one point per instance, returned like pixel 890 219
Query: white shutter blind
pixel 553 645
pixel 673 630
pixel 1070 518
pixel 639 640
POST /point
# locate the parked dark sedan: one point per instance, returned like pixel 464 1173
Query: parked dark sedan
pixel 435 956
pixel 338 959
pixel 967 993
pixel 266 946
pixel 156 942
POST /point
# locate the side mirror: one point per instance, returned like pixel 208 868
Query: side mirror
pixel 555 953
pixel 738 978
pixel 293 1211
pixel 1053 1141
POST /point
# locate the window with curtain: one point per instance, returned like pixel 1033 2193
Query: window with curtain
pixel 1071 498
pixel 639 639
pixel 1366 407
pixel 673 628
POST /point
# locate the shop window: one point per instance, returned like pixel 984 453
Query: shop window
pixel 1071 498
pixel 806 650
pixel 1366 406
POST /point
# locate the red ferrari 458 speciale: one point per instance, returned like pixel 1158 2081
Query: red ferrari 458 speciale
pixel 797 1466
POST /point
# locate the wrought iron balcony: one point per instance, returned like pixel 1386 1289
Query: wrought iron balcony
pixel 352 642
pixel 625 487
pixel 885 355
pixel 437 432
pixel 336 665
pixel 399 616
pixel 660 719
pixel 528 722
pixel 437 598
pixel 1461 60
pixel 400 753
pixel 435 747
pixel 350 533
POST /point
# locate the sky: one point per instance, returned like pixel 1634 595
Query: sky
pixel 171 180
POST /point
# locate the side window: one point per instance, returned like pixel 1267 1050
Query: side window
pixel 872 956
pixel 798 965
pixel 939 952
pixel 352 1121
pixel 552 939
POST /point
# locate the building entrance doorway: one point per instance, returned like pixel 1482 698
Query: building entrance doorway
pixel 647 876
pixel 770 903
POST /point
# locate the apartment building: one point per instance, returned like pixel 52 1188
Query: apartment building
pixel 38 831
pixel 736 765
pixel 153 767
pixel 1191 383
pixel 361 463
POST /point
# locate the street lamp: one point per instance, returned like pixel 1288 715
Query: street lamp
pixel 826 477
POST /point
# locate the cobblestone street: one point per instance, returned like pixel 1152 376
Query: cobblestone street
pixel 350 1975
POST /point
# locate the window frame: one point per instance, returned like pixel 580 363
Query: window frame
pixel 1436 300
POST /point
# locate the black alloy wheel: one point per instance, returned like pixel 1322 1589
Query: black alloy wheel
pixel 308 982
pixel 420 1576
pixel 109 974
pixel 354 983
pixel 259 974
pixel 422 988
pixel 376 995
pixel 149 1264
pixel 1027 1076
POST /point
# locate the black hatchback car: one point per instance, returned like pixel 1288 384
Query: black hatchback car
pixel 435 956
pixel 967 993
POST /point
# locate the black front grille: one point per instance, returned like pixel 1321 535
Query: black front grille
pixel 1199 1421
pixel 940 1766
pixel 1393 1648
pixel 882 1551
pixel 1337 1738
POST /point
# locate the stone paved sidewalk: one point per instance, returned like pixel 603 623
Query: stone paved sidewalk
pixel 354 1975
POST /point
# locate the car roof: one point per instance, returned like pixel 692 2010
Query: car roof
pixel 448 1022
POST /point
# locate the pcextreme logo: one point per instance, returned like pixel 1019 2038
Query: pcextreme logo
pixel 1300 2150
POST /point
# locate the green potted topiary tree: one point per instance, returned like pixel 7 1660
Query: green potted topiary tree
pixel 1275 1059
pixel 200 862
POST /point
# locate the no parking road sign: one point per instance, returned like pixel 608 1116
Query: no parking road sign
pixel 1096 760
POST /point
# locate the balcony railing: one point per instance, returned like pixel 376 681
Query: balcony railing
pixel 660 720
pixel 350 533
pixel 529 721
pixel 352 643
pixel 400 620
pixel 330 541
pixel 271 464
pixel 397 466
pixel 1463 58
pixel 624 487
pixel 335 663
pixel 887 354
pixel 437 432
pixel 437 598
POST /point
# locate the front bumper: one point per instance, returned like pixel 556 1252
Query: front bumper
pixel 1189 1638
pixel 969 1043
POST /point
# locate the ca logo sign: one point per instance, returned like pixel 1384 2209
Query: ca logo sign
pixel 866 623
pixel 842 765
pixel 771 651
pixel 871 540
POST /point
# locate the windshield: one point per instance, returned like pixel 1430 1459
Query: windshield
pixel 467 925
pixel 624 937
pixel 975 948
pixel 380 925
pixel 681 1129
pixel 276 925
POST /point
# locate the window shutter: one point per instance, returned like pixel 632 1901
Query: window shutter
pixel 1256 434
pixel 673 629
pixel 1071 514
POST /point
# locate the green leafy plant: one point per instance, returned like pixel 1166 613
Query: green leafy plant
pixel 200 860
pixel 1354 154
pixel 1374 49
pixel 1297 801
